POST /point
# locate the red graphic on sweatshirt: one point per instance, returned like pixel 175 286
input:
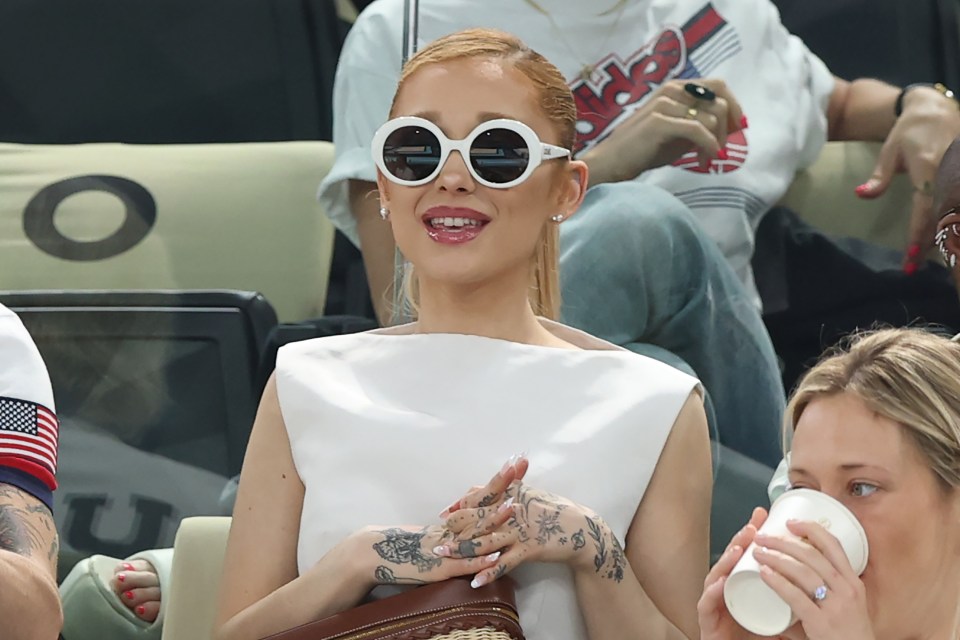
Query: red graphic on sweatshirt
pixel 625 84
pixel 737 152
pixel 618 87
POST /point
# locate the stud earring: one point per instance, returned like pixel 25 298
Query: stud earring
pixel 384 213
pixel 557 218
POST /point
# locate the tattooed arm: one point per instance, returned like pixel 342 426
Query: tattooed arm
pixel 29 600
pixel 667 546
pixel 262 592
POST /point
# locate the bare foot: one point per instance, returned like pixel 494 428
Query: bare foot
pixel 137 585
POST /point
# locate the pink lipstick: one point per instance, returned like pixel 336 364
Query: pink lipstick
pixel 454 225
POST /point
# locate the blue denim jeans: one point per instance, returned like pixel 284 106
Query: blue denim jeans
pixel 637 270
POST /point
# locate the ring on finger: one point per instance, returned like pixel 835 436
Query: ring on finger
pixel 699 91
pixel 692 113
pixel 820 593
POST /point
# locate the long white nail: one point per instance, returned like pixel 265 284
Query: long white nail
pixel 506 505
pixel 493 557
pixel 478 582
pixel 441 550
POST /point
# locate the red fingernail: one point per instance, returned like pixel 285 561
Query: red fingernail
pixel 722 154
pixel 121 577
pixel 128 566
pixel 141 609
pixel 910 268
pixel 128 595
pixel 913 251
pixel 449 510
pixel 862 189
pixel 744 123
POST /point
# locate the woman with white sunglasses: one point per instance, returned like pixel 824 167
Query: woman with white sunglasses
pixel 361 440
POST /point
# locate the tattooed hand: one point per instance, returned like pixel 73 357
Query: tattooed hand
pixel 405 555
pixel 534 525
pixel 408 555
pixel 492 493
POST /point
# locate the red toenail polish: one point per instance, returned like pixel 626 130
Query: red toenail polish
pixel 141 609
pixel 744 123
pixel 128 595
pixel 913 251
pixel 121 577
pixel 910 268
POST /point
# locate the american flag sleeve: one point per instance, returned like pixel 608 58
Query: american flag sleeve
pixel 29 433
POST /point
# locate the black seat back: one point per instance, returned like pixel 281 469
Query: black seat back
pixel 896 41
pixel 155 393
pixel 169 372
pixel 177 71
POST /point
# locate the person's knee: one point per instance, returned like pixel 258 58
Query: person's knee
pixel 634 219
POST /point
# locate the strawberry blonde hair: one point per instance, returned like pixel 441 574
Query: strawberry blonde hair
pixel 558 105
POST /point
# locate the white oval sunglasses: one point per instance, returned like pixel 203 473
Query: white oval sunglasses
pixel 498 153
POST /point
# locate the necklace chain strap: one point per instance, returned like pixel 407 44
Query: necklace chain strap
pixel 587 68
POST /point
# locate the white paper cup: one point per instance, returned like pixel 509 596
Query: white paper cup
pixel 755 606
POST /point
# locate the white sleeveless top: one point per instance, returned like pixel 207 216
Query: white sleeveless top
pixel 389 427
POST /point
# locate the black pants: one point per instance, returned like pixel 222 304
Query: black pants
pixel 818 288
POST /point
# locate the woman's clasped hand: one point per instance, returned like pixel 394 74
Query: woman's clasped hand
pixel 493 529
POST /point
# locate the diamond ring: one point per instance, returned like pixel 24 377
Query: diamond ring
pixel 820 594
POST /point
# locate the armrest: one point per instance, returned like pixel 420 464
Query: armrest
pixel 195 578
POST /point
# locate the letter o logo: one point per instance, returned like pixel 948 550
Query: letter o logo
pixel 140 214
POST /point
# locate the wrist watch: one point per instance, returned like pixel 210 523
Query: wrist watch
pixel 942 88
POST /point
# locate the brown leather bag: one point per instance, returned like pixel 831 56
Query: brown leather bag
pixel 448 610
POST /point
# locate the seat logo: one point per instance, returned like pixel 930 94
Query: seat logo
pixel 140 214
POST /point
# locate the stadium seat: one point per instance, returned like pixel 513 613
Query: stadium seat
pixel 823 195
pixel 206 216
pixel 155 393
pixel 740 484
pixel 176 71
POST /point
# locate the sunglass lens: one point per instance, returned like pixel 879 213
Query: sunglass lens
pixel 499 155
pixel 411 153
